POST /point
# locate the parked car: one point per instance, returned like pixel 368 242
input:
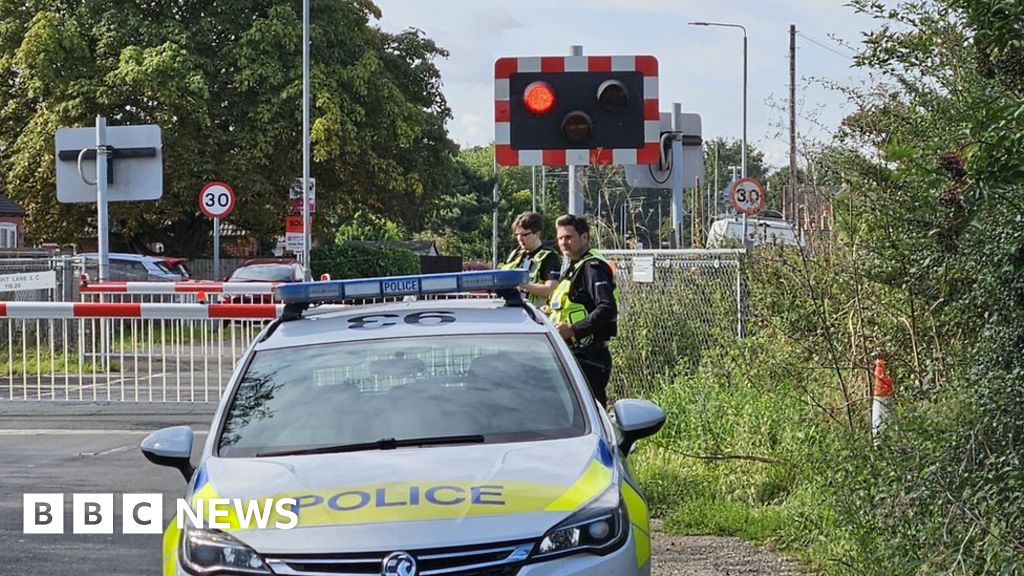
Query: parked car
pixel 268 270
pixel 130 267
pixel 728 232
pixel 278 270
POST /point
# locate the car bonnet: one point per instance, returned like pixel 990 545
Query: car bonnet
pixel 415 497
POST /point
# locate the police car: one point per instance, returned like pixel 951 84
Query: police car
pixel 414 438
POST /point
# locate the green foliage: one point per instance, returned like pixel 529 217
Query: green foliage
pixel 924 266
pixel 462 219
pixel 730 153
pixel 743 452
pixel 368 226
pixel 224 83
pixel 363 260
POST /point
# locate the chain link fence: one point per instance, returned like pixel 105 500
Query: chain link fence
pixel 673 305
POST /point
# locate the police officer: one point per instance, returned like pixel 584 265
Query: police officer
pixel 544 265
pixel 583 305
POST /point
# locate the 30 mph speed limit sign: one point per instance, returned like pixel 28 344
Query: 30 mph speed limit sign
pixel 216 199
pixel 747 196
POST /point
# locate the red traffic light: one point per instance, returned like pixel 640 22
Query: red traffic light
pixel 539 97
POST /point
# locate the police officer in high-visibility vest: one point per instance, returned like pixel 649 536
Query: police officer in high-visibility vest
pixel 583 306
pixel 544 265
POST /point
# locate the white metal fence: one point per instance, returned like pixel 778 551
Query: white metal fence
pixel 111 352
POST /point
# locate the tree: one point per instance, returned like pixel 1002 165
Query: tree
pixel 460 220
pixel 730 153
pixel 223 80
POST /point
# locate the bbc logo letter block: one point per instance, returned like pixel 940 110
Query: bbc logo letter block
pixel 576 110
pixel 92 513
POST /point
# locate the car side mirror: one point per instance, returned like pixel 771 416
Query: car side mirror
pixel 637 419
pixel 170 447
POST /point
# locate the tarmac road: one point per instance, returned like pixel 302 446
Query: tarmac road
pixel 66 448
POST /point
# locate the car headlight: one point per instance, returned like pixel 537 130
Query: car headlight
pixel 212 552
pixel 599 527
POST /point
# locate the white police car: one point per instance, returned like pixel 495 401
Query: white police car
pixel 422 438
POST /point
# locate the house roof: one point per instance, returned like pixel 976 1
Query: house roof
pixel 9 207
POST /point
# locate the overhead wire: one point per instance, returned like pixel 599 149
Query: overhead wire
pixel 821 44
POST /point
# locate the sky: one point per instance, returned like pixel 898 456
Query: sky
pixel 699 67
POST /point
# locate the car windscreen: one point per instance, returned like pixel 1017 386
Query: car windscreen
pixel 506 388
pixel 263 273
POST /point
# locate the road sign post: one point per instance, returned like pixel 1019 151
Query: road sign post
pixel 747 196
pixel 216 200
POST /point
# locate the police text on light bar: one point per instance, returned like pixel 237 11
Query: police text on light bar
pixel 340 290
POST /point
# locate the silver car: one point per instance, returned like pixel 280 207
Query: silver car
pixel 415 438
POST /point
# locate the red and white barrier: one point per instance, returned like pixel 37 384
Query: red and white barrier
pixel 179 287
pixel 155 311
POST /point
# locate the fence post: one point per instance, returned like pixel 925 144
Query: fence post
pixel 739 301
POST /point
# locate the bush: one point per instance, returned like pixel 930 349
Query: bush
pixel 363 260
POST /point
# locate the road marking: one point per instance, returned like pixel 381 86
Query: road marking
pixel 59 432
pixel 105 452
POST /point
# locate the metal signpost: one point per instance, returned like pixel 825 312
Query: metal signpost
pixel 116 178
pixel 216 200
pixel 684 164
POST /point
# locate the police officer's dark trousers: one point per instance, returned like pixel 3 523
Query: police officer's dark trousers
pixel 596 362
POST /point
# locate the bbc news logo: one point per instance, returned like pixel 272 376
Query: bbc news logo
pixel 143 513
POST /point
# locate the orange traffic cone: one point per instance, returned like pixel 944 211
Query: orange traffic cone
pixel 881 400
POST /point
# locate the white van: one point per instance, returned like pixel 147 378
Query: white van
pixel 728 232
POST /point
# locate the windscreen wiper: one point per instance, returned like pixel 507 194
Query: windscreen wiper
pixel 382 444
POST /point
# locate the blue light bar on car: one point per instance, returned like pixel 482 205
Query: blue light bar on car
pixel 390 286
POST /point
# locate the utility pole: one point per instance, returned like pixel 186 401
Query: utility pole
pixel 792 127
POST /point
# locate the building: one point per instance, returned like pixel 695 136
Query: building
pixel 12 224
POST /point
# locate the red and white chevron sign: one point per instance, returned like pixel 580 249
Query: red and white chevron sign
pixel 504 68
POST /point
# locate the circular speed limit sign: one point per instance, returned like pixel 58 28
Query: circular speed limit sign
pixel 216 199
pixel 747 196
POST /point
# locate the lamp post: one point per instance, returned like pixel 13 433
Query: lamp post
pixel 306 233
pixel 743 150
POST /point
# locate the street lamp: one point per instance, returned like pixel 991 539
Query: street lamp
pixel 743 150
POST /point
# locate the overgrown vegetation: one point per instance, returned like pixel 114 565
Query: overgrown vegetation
pixel 769 437
pixel 352 259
